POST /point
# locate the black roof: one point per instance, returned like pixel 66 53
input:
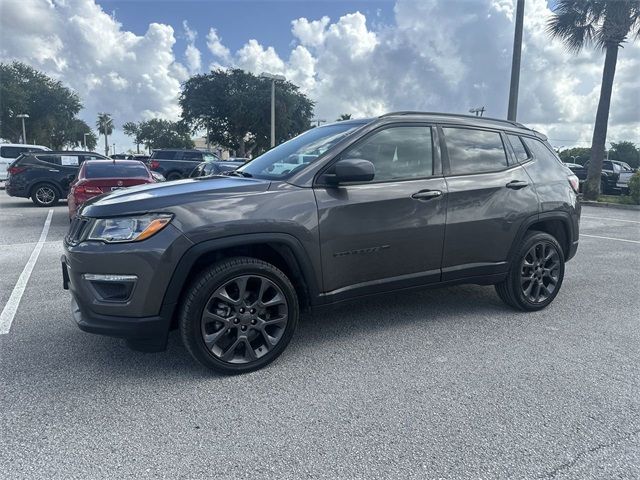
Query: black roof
pixel 62 152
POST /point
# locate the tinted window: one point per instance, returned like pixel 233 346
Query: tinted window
pixel 397 153
pixel 197 156
pixel 540 152
pixel 93 157
pixel 111 170
pixel 12 152
pixel 474 151
pixel 607 165
pixel 163 155
pixel 55 159
pixel 518 147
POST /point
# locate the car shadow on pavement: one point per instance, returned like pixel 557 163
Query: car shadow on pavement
pixel 104 360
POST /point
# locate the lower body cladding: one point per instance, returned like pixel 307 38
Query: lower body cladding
pixel 118 289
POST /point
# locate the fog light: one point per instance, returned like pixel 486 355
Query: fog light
pixel 111 287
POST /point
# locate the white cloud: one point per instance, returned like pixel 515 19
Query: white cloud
pixel 217 49
pixel 437 55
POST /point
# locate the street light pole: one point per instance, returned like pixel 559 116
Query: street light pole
pixel 515 63
pixel 273 79
pixel 22 116
pixel 84 136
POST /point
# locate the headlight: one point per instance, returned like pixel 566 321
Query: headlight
pixel 128 229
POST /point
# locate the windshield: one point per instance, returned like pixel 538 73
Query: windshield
pixel 292 156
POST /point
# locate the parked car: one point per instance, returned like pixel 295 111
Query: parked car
pixel 45 176
pixel 139 156
pixel 158 177
pixel 572 165
pixel 216 167
pixel 177 164
pixel 379 205
pixel 120 156
pixel 608 177
pixel 626 172
pixel 96 177
pixel 10 151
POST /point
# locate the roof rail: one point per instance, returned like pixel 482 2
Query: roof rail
pixel 440 114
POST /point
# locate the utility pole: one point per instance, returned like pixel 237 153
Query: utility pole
pixel 22 116
pixel 515 63
pixel 84 137
pixel 273 79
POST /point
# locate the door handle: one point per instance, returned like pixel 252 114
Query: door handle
pixel 426 194
pixel 53 170
pixel 516 184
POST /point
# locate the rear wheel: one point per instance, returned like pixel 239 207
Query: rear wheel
pixel 45 195
pixel 173 176
pixel 239 315
pixel 535 275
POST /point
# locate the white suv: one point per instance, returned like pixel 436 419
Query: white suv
pixel 10 151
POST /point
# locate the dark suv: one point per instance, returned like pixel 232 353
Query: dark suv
pixel 177 164
pixel 45 176
pixel 355 208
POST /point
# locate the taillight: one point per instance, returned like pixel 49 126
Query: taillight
pixel 86 189
pixel 154 164
pixel 15 170
pixel 575 183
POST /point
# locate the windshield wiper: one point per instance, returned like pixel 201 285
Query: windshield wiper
pixel 238 173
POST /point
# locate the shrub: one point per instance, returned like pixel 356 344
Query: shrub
pixel 634 187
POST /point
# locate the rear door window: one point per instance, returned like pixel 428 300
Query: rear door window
pixel 474 151
pixel 192 156
pixel 163 155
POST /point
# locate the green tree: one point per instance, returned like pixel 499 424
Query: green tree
pixel 132 129
pixel 625 152
pixel 606 24
pixel 160 133
pixel 344 116
pixel 233 107
pixel 73 136
pixel 575 155
pixel 104 124
pixel 52 107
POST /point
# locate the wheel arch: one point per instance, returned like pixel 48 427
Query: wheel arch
pixel 556 224
pixel 282 250
pixel 37 183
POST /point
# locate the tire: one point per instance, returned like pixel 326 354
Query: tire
pixel 219 325
pixel 173 176
pixel 535 275
pixel 45 195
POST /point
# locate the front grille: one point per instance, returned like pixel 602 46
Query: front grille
pixel 77 230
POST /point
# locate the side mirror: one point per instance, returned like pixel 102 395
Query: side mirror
pixel 351 170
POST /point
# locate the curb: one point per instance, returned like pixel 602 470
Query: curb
pixel 620 206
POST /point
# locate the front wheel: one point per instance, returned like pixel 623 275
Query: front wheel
pixel 535 274
pixel 239 315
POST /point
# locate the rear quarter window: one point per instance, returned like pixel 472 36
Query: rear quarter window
pixel 53 159
pixel 522 155
pixel 542 153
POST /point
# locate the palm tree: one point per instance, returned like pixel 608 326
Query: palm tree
pixel 104 124
pixel 133 129
pixel 605 24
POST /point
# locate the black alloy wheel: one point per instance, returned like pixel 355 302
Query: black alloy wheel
pixel 239 315
pixel 535 273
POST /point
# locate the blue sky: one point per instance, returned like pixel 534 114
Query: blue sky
pixel 360 57
pixel 269 22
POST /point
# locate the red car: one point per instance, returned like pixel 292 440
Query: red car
pixel 96 177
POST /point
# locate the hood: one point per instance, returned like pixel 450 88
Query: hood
pixel 163 196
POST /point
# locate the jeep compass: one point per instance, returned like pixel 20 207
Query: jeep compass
pixel 355 208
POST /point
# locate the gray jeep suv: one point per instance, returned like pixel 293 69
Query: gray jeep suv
pixel 354 208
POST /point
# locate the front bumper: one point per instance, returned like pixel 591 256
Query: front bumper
pixel 140 315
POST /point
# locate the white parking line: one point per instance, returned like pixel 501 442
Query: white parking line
pixel 610 218
pixel 610 238
pixel 10 309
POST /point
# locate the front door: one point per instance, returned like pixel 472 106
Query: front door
pixel 388 232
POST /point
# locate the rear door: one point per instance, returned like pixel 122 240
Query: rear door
pixel 386 233
pixel 490 195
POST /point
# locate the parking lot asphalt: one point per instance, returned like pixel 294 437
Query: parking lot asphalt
pixel 443 383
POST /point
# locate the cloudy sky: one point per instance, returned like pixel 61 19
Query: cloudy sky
pixel 361 57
